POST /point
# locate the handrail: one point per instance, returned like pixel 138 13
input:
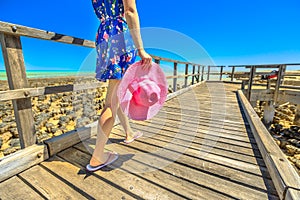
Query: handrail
pixel 21 93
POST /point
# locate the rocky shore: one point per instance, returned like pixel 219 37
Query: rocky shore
pixel 54 114
pixel 285 132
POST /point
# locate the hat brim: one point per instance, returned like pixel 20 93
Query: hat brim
pixel 127 104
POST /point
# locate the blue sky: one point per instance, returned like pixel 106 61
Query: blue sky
pixel 231 31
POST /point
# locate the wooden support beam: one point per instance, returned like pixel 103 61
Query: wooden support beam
pixel 221 72
pixel 16 75
pixel 250 82
pixel 175 79
pixel 232 73
pixel 198 80
pixel 202 74
pixel 64 141
pixel 193 77
pixel 297 116
pixel 280 76
pixel 208 72
pixel 186 73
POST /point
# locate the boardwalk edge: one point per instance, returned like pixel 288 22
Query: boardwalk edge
pixel 284 176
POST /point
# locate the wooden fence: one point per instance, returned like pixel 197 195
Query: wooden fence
pixel 20 93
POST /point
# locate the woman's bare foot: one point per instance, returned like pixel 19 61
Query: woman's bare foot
pixel 132 136
pixel 99 160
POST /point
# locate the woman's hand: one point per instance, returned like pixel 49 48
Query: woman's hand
pixel 146 59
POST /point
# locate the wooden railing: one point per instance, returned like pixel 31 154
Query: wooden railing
pixel 20 93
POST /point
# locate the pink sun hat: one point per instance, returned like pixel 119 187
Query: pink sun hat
pixel 142 93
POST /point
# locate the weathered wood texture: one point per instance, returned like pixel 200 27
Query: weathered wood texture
pixel 281 171
pixel 39 91
pixel 16 75
pixel 197 147
pixel 64 141
pixel 282 97
pixel 18 30
pixel 22 160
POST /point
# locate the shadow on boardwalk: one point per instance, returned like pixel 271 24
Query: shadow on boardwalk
pixel 207 153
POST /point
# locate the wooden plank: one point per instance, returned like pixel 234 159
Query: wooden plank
pixel 97 187
pixel 193 78
pixel 193 169
pixel 15 188
pixel 175 79
pixel 22 160
pixel 232 73
pixel 220 149
pixel 18 30
pixel 143 185
pixel 208 72
pixel 289 96
pixel 171 60
pixel 221 72
pixel 202 73
pixel 66 140
pixel 16 75
pixel 281 171
pixel 202 147
pixel 278 82
pixel 250 82
pixel 186 73
pixel 51 186
pixel 297 116
pixel 34 92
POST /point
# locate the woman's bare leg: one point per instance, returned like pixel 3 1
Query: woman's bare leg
pixel 105 123
pixel 125 123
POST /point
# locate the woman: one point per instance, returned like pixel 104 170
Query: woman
pixel 115 52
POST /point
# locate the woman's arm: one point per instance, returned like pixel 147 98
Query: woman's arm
pixel 133 22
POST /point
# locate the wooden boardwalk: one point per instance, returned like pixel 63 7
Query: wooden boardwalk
pixel 198 147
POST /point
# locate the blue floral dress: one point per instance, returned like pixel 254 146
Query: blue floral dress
pixel 114 45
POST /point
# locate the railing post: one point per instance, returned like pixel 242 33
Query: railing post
pixel 250 83
pixel 202 73
pixel 157 61
pixel 186 73
pixel 175 79
pixel 221 72
pixel 193 77
pixel 199 73
pixel 232 73
pixel 16 75
pixel 208 71
pixel 280 76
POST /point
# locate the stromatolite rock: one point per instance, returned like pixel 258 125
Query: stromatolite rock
pixel 1 142
pixel 49 126
pixel 15 143
pixel 82 121
pixel 9 150
pixel 283 143
pixel 8 119
pixel 3 127
pixel 6 137
pixel 53 98
pixel 292 150
pixel 293 141
pixel 66 99
pixel 43 107
pixel 14 131
pixel 42 98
